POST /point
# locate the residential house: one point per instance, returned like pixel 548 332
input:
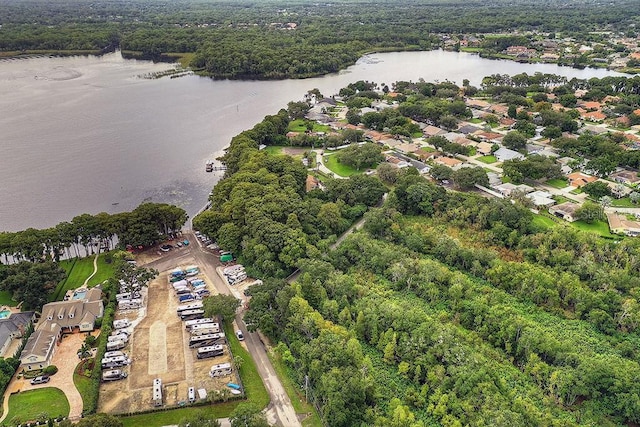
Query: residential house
pixel 619 224
pixel 312 183
pixel 618 190
pixel 59 318
pixel 448 161
pixel 489 136
pixel 593 116
pixel 541 199
pixel 596 130
pixel 423 154
pixel 484 148
pixel 566 211
pixel 504 154
pixel 579 179
pixel 625 176
pixel 468 128
pixel 507 121
pixel 478 104
pixel 466 142
pixel 508 188
pixel 39 350
pixel 430 131
pixel 407 148
pixel 12 328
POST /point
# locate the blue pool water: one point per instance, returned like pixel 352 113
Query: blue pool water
pixel 79 294
pixel 4 314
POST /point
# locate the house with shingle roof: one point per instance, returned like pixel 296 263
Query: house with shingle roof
pixel 619 224
pixel 566 211
pixel 59 318
pixel 503 154
pixel 13 327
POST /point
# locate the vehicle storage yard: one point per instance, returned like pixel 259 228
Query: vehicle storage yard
pixel 159 348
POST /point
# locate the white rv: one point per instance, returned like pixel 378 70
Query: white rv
pixel 220 370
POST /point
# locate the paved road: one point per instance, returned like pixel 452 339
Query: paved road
pixel 280 410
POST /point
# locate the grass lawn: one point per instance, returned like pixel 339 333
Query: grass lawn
pixel 174 416
pixel 296 395
pixel 475 121
pixel 623 203
pixel 576 191
pixel 300 126
pixel 600 227
pixel 488 159
pixel 251 381
pixel 558 183
pixel 82 383
pixel 28 405
pixel 561 199
pixel 5 299
pixel 332 163
pixel 77 272
pixel 543 221
pixel 274 149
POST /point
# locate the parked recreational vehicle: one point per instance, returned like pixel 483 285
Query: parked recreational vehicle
pixel 120 324
pixel 186 298
pixel 233 269
pixel 125 332
pixel 113 375
pixel 210 351
pixel 116 345
pixel 205 329
pixel 179 284
pixel 157 392
pixel 182 290
pixel 192 314
pixel 119 337
pixel 190 323
pixel 206 340
pixel 201 292
pixel 115 353
pixel 191 395
pixel 115 362
pixel 129 304
pixel 220 370
pixel 197 305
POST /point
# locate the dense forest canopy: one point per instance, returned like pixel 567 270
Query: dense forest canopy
pixel 447 308
pixel 287 39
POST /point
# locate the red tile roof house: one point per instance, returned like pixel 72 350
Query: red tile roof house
pixel 593 116
pixel 579 179
pixel 448 161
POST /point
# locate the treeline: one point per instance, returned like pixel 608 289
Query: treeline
pixel 453 309
pixel 144 226
pixel 249 40
pixel 261 211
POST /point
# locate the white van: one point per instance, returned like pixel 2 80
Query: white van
pixel 192 394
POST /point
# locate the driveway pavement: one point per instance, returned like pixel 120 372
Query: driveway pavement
pixel 66 359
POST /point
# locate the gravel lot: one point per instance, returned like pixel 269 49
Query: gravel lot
pixel 159 349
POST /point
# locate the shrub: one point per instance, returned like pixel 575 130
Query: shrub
pixel 50 370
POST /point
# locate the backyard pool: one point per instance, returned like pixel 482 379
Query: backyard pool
pixel 79 294
pixel 4 314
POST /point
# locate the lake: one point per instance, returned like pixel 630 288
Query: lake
pixel 90 134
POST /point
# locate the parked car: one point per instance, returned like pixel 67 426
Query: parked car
pixel 165 248
pixel 239 335
pixel 42 379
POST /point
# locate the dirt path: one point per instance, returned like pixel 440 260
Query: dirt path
pixel 95 270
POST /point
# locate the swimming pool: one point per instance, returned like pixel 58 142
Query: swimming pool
pixel 79 294
pixel 4 314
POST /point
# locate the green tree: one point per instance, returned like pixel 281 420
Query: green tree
pixel 221 305
pixel 514 140
pixel 590 212
pixel 199 419
pixel 248 415
pixel 467 178
pixel 597 189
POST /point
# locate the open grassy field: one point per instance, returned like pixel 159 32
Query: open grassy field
pixel 543 221
pixel 300 126
pixel 600 227
pixel 78 269
pixel 29 405
pixel 335 166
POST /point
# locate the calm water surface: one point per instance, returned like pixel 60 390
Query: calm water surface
pixel 88 134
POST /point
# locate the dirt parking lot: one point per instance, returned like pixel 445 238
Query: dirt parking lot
pixel 159 348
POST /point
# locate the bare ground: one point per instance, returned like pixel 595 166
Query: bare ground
pixel 159 349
